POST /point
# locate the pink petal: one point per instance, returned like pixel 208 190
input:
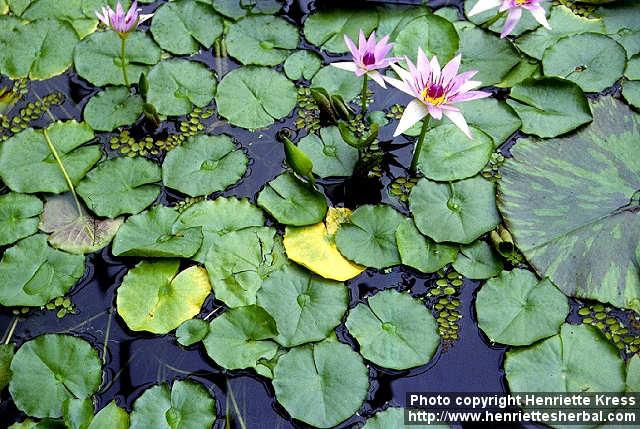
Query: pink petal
pixel 539 14
pixel 133 12
pixel 483 6
pixel 460 80
pixel 413 113
pixel 362 43
pixel 377 77
pixel 402 86
pixel 423 63
pixel 435 111
pixel 467 96
pixel 435 69
pixel 345 65
pixel 371 43
pixel 352 47
pixel 449 71
pixel 512 20
pixel 458 120
pixel 144 17
pixel 468 86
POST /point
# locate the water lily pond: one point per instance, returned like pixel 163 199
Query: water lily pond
pixel 269 214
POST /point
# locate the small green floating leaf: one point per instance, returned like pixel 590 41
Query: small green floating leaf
pixel 32 273
pixel 112 108
pixel 302 64
pixel 393 417
pixel 292 202
pixel 263 40
pixel 203 165
pixel 241 337
pixel 18 216
pixel 309 382
pixel 181 27
pixel 110 417
pixel 176 86
pixel 478 261
pixel 51 369
pixel 420 252
pixel 458 212
pixel 631 92
pixel 330 154
pixel 518 309
pixel 305 307
pixel 121 186
pixel 394 330
pixel 151 233
pixel 236 9
pixel 549 107
pixel 434 34
pixel 326 28
pixel 6 355
pixel 369 238
pixel 632 71
pixel 77 413
pixel 192 331
pixel 254 97
pixel 338 82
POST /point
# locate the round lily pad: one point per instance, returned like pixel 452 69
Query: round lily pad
pixel 240 337
pixel 393 417
pixel 338 82
pixel 493 117
pixel 321 384
pixel 478 261
pixel 154 297
pixel 326 28
pixel 631 92
pixel 434 34
pixel 112 108
pixel 176 86
pixel 565 363
pixel 262 40
pixel 447 154
pixel 560 213
pixel 305 307
pixel 458 212
pixel 51 369
pixel 181 27
pixel 18 216
pixel 314 247
pixel 110 417
pixel 254 97
pixel 203 165
pixel 302 64
pixel 593 61
pixel 192 331
pixel 292 202
pixel 394 330
pixel 420 252
pixel 120 185
pixel 330 154
pixel 369 238
pixel 517 309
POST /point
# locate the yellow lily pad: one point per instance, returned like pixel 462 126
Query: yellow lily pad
pixel 314 247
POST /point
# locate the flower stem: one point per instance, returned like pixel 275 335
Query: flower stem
pixel 123 61
pixel 419 144
pixel 53 150
pixel 365 83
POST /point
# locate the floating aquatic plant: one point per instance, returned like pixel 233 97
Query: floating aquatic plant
pixel 514 12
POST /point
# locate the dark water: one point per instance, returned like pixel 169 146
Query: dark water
pixel 136 361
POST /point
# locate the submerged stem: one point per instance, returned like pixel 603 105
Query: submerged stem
pixel 11 330
pixel 53 150
pixel 365 83
pixel 123 63
pixel 419 144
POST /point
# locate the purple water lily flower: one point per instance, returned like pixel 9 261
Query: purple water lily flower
pixel 435 90
pixel 368 57
pixel 120 22
pixel 514 8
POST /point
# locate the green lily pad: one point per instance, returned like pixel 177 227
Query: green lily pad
pixel 478 261
pixel 97 58
pixel 203 165
pixel 120 186
pixel 113 108
pixel 192 331
pixel 491 116
pixel 264 40
pixel 394 17
pixel 217 218
pixel 188 405
pixel 621 23
pixel 434 34
pixel 393 417
pixel 7 352
pixel 154 297
pixel 326 28
pixel 32 273
pixel 67 11
pixel 338 82
pixel 236 9
pixel 565 363
pixel 51 369
pixel 241 337
pixel 302 64
pixel 151 233
pixel 420 252
pixel 449 155
pixel 27 164
pixel 18 216
pixel 458 211
pixel 633 374
pixel 559 211
pixel 254 97
pixel 549 107
pixel 633 68
pixel 305 307
pixel 491 56
pixel 292 202
pixel 330 154
pixel 37 50
pixel 176 86
pixel 631 92
pixel 524 70
pixel 110 417
pixel 593 61
pixel 311 383
pixel 75 231
pixel 517 309
pixel 181 27
pixel 239 261
pixel 77 413
pixel 394 330
pixel 369 238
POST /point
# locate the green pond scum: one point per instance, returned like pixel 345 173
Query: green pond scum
pixel 292 213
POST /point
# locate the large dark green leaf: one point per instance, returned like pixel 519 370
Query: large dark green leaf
pixel 18 216
pixel 261 40
pixel 330 154
pixel 434 34
pixel 112 108
pixel 338 82
pixel 572 206
pixel 326 28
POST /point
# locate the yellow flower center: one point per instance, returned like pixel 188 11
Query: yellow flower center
pixel 433 94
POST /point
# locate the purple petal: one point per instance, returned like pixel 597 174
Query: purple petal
pixel 512 20
pixel 467 96
pixel 362 42
pixel 449 71
pixel 458 81
pixel 354 51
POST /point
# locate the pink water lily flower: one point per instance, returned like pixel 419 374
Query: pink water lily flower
pixel 514 8
pixel 368 57
pixel 435 90
pixel 120 22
